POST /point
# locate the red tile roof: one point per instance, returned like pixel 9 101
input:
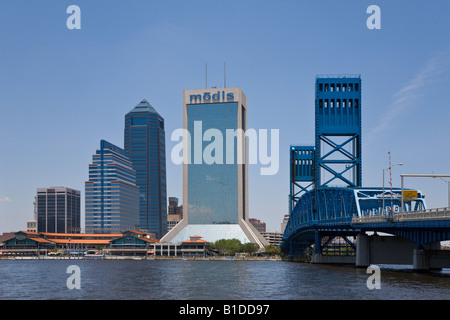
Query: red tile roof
pixel 81 241
pixel 40 240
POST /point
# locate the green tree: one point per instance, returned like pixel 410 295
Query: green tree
pixel 273 250
pixel 232 246
pixel 249 248
pixel 226 246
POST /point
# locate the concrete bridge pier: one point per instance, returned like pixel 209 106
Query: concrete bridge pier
pixel 425 260
pixel 362 251
pixel 377 249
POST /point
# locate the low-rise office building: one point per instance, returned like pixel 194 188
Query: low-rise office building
pixel 274 238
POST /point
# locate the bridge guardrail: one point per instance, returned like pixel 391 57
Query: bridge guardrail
pixel 428 214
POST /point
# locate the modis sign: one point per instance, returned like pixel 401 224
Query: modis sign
pixel 211 97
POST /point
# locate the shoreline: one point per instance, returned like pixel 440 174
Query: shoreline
pixel 143 258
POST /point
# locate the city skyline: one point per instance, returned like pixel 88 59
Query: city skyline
pixel 70 88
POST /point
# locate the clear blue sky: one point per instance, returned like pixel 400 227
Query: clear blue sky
pixel 62 90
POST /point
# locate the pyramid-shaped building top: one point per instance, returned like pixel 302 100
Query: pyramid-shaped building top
pixel 144 106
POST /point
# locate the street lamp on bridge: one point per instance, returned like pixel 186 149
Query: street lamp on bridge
pixel 390 167
pixel 448 188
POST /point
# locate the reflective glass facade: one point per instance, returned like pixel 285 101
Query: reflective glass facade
pixel 212 188
pixel 58 210
pixel 145 147
pixel 112 197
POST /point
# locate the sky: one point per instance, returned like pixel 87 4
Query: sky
pixel 63 90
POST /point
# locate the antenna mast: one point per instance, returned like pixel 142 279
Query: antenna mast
pixel 224 74
pixel 390 180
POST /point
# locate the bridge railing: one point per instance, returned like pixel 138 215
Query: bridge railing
pixel 438 213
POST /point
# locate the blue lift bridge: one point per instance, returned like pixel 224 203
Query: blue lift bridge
pixel 329 203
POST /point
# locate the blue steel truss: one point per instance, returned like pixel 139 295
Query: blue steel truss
pixel 301 173
pixel 338 131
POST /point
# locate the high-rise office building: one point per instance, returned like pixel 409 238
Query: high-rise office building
pixel 57 210
pixel 145 146
pixel 215 182
pixel 260 226
pixel 174 208
pixel 112 197
pixel 174 213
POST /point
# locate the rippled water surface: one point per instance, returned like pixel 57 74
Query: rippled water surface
pixel 224 280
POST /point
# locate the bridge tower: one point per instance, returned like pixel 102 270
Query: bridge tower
pixel 301 172
pixel 338 131
pixel 335 159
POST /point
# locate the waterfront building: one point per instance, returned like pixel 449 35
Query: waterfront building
pixel 6 236
pixel 215 193
pixel 26 243
pixel 57 210
pixel 195 246
pixel 132 242
pixel 112 197
pixel 144 144
pixel 128 243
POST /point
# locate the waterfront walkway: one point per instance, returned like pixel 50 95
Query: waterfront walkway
pixel 217 258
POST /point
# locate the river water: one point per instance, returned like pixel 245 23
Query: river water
pixel 210 280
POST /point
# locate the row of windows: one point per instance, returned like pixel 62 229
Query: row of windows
pixel 53 210
pixel 112 194
pixel 109 159
pixel 132 207
pixel 339 103
pixel 110 191
pixel 110 181
pixel 108 168
pixel 340 87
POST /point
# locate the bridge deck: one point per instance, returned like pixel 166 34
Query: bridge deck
pixel 442 214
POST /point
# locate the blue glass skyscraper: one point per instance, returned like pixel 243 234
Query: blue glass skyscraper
pixel 112 197
pixel 145 146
